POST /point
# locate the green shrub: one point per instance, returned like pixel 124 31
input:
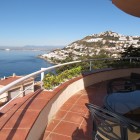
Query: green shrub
pixel 124 64
pixel 50 80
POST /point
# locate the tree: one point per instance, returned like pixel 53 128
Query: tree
pixel 131 52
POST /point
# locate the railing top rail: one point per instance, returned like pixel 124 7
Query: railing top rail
pixel 4 89
pixel 112 58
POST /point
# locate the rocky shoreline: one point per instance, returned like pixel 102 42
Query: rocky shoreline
pixel 48 60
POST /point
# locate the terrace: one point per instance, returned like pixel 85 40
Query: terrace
pixel 61 113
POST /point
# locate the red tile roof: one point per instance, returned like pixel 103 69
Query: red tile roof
pixel 8 80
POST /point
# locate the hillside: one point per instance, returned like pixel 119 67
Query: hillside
pixel 107 43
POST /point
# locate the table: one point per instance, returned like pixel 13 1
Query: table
pixel 127 104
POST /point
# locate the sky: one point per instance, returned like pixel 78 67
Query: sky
pixel 60 22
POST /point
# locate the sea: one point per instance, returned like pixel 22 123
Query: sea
pixel 21 62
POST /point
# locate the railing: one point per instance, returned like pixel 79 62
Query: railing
pixel 17 96
pixel 21 80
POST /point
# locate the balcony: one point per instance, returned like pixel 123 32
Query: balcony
pixel 61 113
pixel 72 121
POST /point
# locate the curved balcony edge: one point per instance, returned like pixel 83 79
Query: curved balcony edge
pixel 67 90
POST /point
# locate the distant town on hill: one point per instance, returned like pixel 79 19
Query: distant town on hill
pixel 109 44
pixel 30 47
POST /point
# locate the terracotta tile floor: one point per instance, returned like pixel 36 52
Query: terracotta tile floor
pixel 19 115
pixel 73 122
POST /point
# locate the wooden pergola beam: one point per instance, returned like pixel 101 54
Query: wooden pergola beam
pixel 131 7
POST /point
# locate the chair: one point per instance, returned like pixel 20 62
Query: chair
pixel 135 77
pixel 120 85
pixel 110 126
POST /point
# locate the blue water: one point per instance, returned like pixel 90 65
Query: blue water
pixel 21 62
